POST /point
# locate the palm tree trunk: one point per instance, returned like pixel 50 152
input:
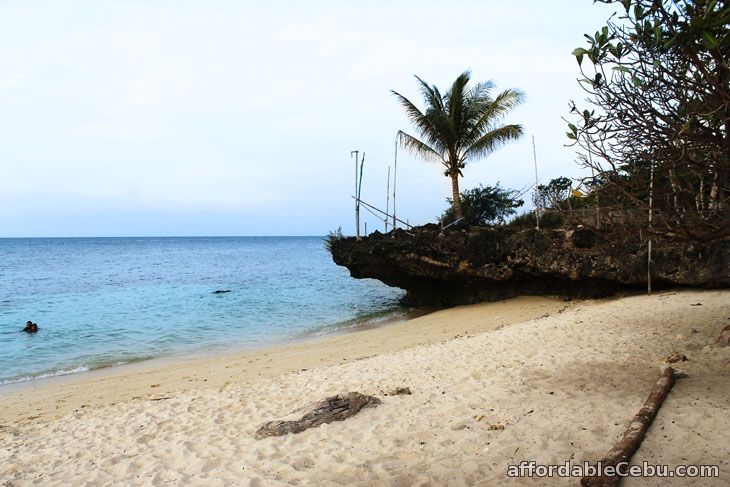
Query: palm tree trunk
pixel 456 198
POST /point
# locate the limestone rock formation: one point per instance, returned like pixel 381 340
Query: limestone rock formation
pixel 472 264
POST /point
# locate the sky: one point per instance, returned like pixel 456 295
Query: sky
pixel 183 118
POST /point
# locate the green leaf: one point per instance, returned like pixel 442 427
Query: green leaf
pixel 710 40
pixel 638 12
pixel 623 69
pixel 594 54
pixel 579 53
pixel 619 50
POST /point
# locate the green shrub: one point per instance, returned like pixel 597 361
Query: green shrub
pixel 332 237
pixel 485 205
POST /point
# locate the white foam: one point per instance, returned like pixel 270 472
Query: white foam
pixel 56 373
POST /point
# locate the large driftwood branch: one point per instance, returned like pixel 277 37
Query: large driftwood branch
pixel 334 408
pixel 634 434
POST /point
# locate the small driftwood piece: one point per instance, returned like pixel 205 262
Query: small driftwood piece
pixel 334 408
pixel 724 338
pixel 399 391
pixel 634 434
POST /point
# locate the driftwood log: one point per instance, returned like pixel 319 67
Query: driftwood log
pixel 634 434
pixel 334 408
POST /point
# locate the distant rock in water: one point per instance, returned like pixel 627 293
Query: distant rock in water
pixel 31 327
pixel 472 264
pixel 222 291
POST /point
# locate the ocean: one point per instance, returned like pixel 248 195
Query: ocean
pixel 100 302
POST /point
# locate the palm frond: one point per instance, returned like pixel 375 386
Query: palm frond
pixel 506 101
pixel 457 96
pixel 492 140
pixel 492 111
pixel 457 109
pixel 432 96
pixel 423 123
pixel 482 90
pixel 419 148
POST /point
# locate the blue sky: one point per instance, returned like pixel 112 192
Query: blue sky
pixel 162 117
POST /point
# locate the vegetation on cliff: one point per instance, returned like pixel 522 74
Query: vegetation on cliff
pixel 484 205
pixel 656 132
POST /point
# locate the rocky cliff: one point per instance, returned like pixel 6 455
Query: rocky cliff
pixel 468 265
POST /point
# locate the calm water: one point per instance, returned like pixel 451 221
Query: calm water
pixel 106 301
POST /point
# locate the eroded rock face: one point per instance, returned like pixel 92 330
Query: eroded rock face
pixel 469 265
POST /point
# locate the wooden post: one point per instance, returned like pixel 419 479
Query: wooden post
pixel 387 202
pixel 358 190
pixel 598 205
pixel 537 184
pixel 357 217
pixel 395 175
pixel 651 229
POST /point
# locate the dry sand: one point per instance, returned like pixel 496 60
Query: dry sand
pixel 563 380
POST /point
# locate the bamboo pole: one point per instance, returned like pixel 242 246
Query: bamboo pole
pixel 358 189
pixel 395 176
pixel 357 218
pixel 368 205
pixel 651 229
pixel 387 201
pixel 537 184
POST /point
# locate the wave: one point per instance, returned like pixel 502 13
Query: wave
pixel 45 375
pixel 102 364
pixel 366 320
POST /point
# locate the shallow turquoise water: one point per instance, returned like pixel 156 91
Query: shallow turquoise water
pixel 106 301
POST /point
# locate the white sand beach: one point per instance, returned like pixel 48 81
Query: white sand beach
pixel 492 385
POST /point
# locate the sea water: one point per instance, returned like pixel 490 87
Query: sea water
pixel 100 302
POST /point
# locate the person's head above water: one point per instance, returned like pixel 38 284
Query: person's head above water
pixel 30 327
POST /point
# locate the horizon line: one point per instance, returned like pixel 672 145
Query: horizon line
pixel 165 236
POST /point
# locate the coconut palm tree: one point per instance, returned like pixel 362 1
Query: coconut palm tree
pixel 461 125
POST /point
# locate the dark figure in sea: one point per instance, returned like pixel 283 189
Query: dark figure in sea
pixel 31 327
